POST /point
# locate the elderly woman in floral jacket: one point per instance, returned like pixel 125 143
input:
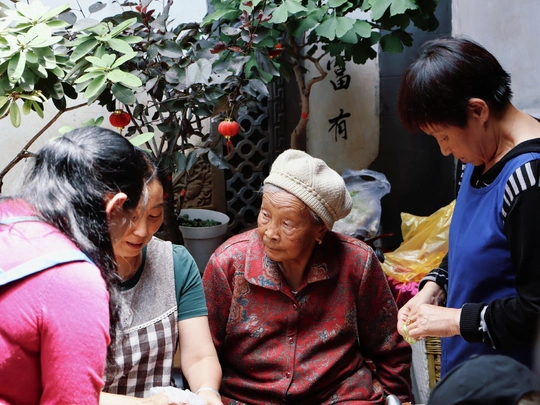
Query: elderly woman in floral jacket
pixel 300 314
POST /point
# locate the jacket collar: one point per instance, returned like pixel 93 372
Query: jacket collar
pixel 262 271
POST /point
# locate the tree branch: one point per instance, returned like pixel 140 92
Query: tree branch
pixel 23 154
pixel 298 136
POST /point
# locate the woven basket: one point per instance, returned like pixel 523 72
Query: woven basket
pixel 433 352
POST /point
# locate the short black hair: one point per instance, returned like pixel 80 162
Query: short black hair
pixel 448 72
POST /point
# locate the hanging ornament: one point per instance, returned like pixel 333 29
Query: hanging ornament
pixel 119 119
pixel 276 51
pixel 228 128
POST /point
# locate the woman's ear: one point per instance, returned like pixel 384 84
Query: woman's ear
pixel 115 202
pixel 478 109
pixel 321 233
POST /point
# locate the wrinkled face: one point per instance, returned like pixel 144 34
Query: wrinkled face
pixel 286 227
pixel 146 222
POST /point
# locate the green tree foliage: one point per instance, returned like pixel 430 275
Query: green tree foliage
pixel 172 79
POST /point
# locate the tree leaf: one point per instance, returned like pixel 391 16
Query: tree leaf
pixel 327 29
pixel 191 160
pixel 122 26
pixel 38 109
pixel 54 12
pixel 46 57
pixel 343 25
pixel 83 49
pixel 336 3
pixel 391 43
pixel 123 59
pixel 180 160
pixel 27 80
pixel 85 24
pixel 94 8
pixel 3 100
pixel 130 39
pixel 123 94
pixel 4 108
pixel 95 87
pixel 33 12
pixel 103 62
pixel 217 160
pixel 125 78
pixel 378 8
pixel 231 31
pixel 16 66
pixel 56 25
pixel 300 26
pixel 280 14
pixel 15 114
pixel 65 129
pixel 173 74
pixel 88 76
pixel 140 139
pixel 224 13
pixel 119 46
pixel 69 17
pixel 401 6
pixel 27 107
pixel 295 6
pixel 60 104
pixel 265 64
pixel 259 87
pixel 198 72
pixel 170 49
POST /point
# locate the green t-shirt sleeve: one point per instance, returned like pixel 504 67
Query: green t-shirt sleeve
pixel 188 285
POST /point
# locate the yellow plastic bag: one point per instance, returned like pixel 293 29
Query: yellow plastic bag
pixel 425 243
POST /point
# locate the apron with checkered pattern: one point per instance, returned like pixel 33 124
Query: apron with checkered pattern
pixel 148 333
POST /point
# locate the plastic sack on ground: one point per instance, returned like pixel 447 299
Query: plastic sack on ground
pixel 425 243
pixel 366 187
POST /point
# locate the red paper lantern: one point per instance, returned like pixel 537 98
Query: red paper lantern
pixel 228 128
pixel 119 119
pixel 276 51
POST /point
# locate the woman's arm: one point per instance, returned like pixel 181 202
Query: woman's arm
pixel 198 358
pixel 74 333
pixel 378 338
pixel 511 322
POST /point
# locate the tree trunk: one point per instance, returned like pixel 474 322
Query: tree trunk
pixel 170 229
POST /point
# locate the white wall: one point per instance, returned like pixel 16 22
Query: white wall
pixel 509 31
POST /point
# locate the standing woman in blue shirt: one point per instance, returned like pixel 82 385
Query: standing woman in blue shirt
pixel 486 298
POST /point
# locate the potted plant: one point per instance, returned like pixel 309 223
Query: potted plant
pixel 203 231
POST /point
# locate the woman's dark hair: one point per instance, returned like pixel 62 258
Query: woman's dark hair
pixel 68 186
pixel 448 72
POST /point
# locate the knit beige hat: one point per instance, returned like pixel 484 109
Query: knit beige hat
pixel 312 181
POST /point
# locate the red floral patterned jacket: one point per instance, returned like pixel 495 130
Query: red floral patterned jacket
pixel 334 342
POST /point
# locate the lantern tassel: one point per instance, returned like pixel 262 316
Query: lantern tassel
pixel 230 145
